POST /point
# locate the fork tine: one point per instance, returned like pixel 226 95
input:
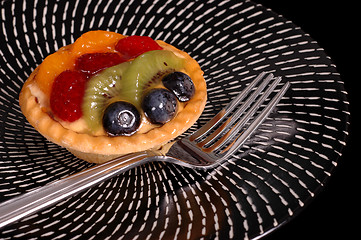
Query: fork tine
pixel 242 121
pixel 221 129
pixel 255 123
pixel 228 109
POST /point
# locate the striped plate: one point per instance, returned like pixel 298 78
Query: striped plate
pixel 271 179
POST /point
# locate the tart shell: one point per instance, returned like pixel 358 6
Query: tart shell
pixel 98 149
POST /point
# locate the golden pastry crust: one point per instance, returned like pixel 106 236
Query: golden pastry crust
pixel 99 149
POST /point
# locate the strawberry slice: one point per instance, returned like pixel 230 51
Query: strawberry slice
pixel 133 46
pixel 92 63
pixel 67 95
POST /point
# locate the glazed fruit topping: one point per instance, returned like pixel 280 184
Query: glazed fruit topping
pixel 100 89
pixel 67 95
pixel 133 46
pixel 160 105
pixel 145 70
pixel 92 63
pixel 180 84
pixel 111 89
pixel 127 82
pixel 121 119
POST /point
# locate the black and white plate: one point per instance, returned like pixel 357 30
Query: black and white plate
pixel 267 182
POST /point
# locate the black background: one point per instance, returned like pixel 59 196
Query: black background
pixel 334 213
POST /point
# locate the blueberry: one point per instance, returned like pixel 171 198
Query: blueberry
pixel 159 105
pixel 121 119
pixel 180 84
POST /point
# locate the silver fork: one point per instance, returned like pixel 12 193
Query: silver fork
pixel 206 148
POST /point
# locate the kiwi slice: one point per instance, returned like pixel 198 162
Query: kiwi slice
pixel 101 89
pixel 125 82
pixel 145 69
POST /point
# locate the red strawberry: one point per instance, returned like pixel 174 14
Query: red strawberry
pixel 67 95
pixel 133 46
pixel 92 63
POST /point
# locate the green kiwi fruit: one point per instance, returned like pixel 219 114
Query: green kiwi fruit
pixel 125 82
pixel 99 92
pixel 145 69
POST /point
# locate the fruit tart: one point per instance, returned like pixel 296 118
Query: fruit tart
pixel 108 94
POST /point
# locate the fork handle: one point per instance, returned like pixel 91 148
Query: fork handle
pixel 43 197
